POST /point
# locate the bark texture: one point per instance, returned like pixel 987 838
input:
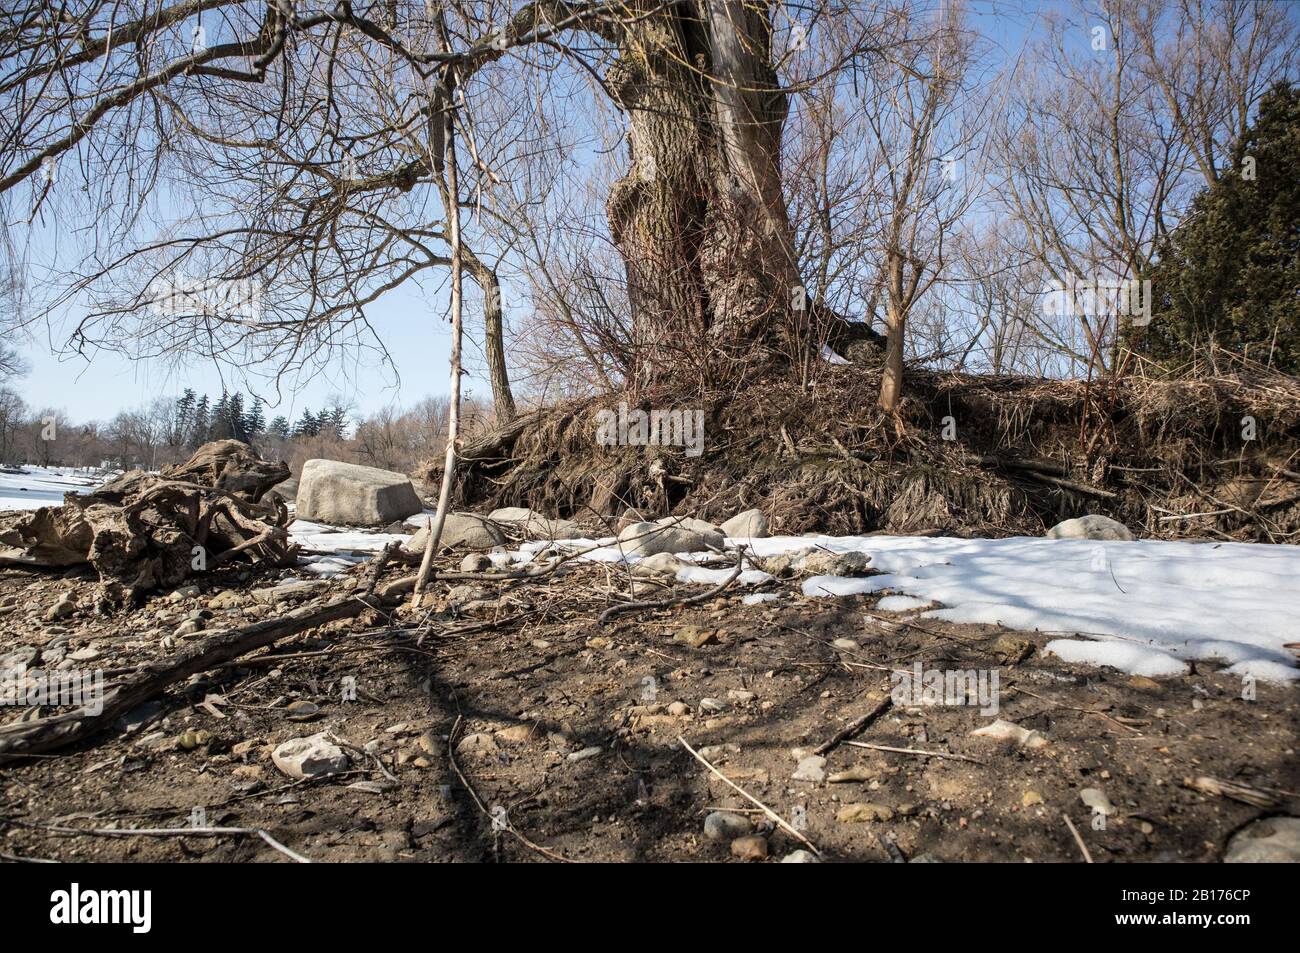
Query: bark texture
pixel 700 217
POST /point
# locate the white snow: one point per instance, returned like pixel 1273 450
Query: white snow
pixel 44 486
pixel 1145 607
pixel 1229 602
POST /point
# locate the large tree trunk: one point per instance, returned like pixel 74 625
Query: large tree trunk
pixel 700 218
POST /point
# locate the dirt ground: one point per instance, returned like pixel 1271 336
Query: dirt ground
pixel 564 736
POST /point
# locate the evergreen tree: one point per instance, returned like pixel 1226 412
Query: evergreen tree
pixel 183 426
pixel 219 429
pixel 236 411
pixel 308 425
pixel 255 423
pixel 279 427
pixel 1229 274
pixel 199 427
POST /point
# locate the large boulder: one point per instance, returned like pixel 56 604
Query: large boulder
pixel 533 525
pixel 751 524
pixel 460 532
pixel 1091 526
pixel 347 494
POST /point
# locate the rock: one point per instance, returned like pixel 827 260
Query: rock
pixel 460 531
pixel 695 636
pixel 184 592
pixel 84 655
pixel 430 744
pixel 740 696
pixel 724 825
pixel 228 599
pixel 534 525
pixel 749 847
pixel 65 605
pixel 821 563
pixel 475 562
pixel 302 710
pixel 1096 799
pixel 863 812
pixel 1090 527
pixel 1144 683
pixel 1011 649
pixel 192 738
pixel 859 772
pixel 800 857
pixel 660 564
pixel 584 754
pixel 515 734
pixel 477 745
pixel 713 705
pixel 647 539
pixel 847 645
pixel 1005 730
pixel 679 709
pixel 1273 840
pixel 1030 798
pixel 189 627
pixel 289 591
pixel 751 524
pixel 286 490
pixel 347 494
pixel 703 527
pixel 811 768
pixel 312 757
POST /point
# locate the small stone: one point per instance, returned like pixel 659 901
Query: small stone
pixel 859 772
pixel 84 655
pixel 476 562
pixel 712 705
pixel 1273 840
pixel 847 645
pixel 679 709
pixel 811 768
pixel 800 857
pixel 1030 798
pixel 584 754
pixel 1144 683
pixel 368 787
pixel 64 606
pixel 598 642
pixel 189 627
pixel 724 825
pixel 227 599
pixel 515 734
pixel 740 697
pixel 302 710
pixel 750 847
pixel 192 738
pixel 430 743
pixel 314 756
pixel 862 812
pixel 1006 731
pixel 695 636
pixel 480 744
pixel 1012 649
pixel 1096 799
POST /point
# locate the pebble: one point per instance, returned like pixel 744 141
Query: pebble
pixel 1274 840
pixel 859 772
pixel 302 710
pixel 1096 799
pixel 724 825
pixel 848 645
pixel 314 756
pixel 1006 731
pixel 679 709
pixel 712 704
pixel 811 768
pixel 740 697
pixel 866 811
pixel 750 847
pixel 1030 798
pixel 189 627
pixel 584 754
pixel 800 857
pixel 63 607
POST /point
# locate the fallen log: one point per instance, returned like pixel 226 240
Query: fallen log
pixel 42 735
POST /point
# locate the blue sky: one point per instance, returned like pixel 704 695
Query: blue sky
pixel 408 320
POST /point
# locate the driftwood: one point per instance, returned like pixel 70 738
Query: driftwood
pixel 148 530
pixel 42 735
